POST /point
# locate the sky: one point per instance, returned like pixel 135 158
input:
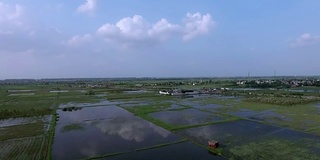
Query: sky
pixel 143 38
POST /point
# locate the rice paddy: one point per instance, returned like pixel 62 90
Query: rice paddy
pixel 116 123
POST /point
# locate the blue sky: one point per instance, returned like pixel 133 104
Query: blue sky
pixel 143 38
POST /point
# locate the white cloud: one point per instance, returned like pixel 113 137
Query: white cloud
pixel 132 129
pixel 196 24
pixel 134 30
pixel 305 40
pixel 137 29
pixel 88 7
pixel 8 12
pixel 163 29
pixel 78 40
pixel 11 15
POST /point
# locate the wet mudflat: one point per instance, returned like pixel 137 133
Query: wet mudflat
pixel 95 131
pixel 186 117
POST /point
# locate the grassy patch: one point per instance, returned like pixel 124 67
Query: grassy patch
pixel 72 127
pixel 20 131
pixel 218 100
pixel 140 110
pixel 123 96
pixel 216 151
pixel 284 100
pixel 256 106
pixel 4 114
pixel 315 130
pixel 78 98
pixel 162 124
pixel 271 149
pixel 53 124
pixel 26 106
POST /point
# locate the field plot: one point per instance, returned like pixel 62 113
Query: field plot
pixel 96 131
pixel 123 120
pixel 24 120
pixel 303 117
pixel 25 148
pixel 229 133
pixel 250 139
pixel 268 116
pixel 213 103
pixel 24 138
pixel 185 151
pixel 272 149
pixel 185 117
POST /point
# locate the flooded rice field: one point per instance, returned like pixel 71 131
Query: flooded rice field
pixel 123 130
pixel 185 151
pixel 103 103
pixel 268 116
pixel 163 128
pixel 186 117
pixel 229 133
pixel 95 131
pixel 252 136
pixel 25 120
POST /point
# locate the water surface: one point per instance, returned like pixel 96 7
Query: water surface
pixel 104 130
pixel 186 117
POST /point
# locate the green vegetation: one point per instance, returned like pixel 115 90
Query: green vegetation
pixel 53 124
pixel 90 93
pixel 216 151
pixel 292 100
pixel 23 106
pixel 54 119
pixel 72 127
pixel 140 110
pixel 25 148
pixel 271 149
pixel 70 109
pixel 23 113
pixel 256 106
pixel 20 131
